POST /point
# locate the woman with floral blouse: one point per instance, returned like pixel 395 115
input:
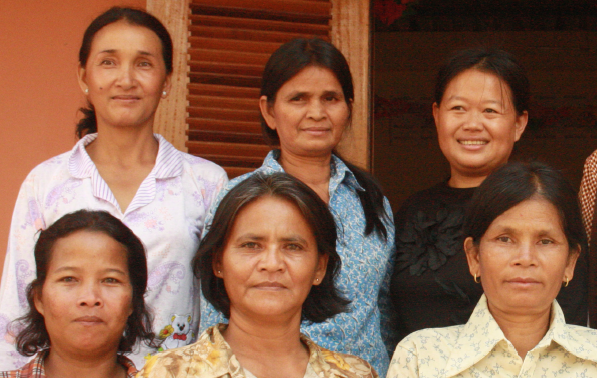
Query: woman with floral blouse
pixel 268 263
pixel 524 235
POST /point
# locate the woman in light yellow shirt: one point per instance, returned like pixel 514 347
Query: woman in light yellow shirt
pixel 524 234
pixel 268 262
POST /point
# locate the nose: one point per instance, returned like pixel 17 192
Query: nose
pixel 473 121
pixel 126 77
pixel 527 254
pixel 89 295
pixel 272 260
pixel 316 110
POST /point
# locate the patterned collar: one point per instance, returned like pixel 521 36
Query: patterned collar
pixel 35 367
pixel 225 364
pixel 339 171
pixel 168 164
pixel 481 333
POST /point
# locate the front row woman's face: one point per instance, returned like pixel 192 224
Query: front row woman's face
pixel 270 261
pixel 523 258
pixel 87 296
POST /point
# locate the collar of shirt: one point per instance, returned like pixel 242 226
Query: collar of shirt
pixel 481 333
pixel 225 364
pixel 35 367
pixel 168 164
pixel 339 171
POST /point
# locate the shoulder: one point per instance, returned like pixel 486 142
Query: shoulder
pixel 32 369
pixel 348 365
pixel 430 340
pixel 202 167
pixel 581 341
pixel 591 161
pixel 49 167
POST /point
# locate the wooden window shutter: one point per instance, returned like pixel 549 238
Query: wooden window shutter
pixel 229 43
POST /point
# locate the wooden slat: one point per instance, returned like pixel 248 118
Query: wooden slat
pixel 226 137
pixel 233 172
pixel 223 90
pixel 223 125
pixel 233 45
pixel 254 70
pixel 225 114
pixel 225 56
pixel 245 34
pixel 298 6
pixel 217 79
pixel 253 24
pixel 224 102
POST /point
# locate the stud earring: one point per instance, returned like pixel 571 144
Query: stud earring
pixel 164 93
pixel 86 90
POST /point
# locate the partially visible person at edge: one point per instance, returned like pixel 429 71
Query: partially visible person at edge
pixel 524 235
pixel 480 110
pixel 269 262
pixel 306 101
pixel 85 307
pixel 588 188
pixel 120 166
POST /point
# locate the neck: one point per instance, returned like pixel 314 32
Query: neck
pixel 261 345
pixel 459 180
pixel 524 330
pixel 123 146
pixel 312 170
pixel 59 364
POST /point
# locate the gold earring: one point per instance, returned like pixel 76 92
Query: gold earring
pixel 567 281
pixel 475 278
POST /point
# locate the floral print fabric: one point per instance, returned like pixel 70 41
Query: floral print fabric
pixel 480 349
pixel 167 214
pixel 211 357
pixel 364 279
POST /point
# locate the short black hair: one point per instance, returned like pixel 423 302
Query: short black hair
pixel 490 60
pixel 324 300
pixel 34 337
pixel 516 182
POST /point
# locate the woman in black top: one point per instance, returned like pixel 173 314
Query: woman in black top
pixel 480 111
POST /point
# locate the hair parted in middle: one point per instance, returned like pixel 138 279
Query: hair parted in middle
pixel 324 300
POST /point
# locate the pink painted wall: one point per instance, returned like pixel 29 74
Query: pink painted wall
pixel 39 94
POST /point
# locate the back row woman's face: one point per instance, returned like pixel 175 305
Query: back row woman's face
pixel 125 75
pixel 309 114
pixel 477 123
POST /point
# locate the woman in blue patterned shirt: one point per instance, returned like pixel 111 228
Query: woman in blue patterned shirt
pixel 306 103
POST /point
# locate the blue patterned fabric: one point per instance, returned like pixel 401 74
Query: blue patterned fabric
pixel 364 279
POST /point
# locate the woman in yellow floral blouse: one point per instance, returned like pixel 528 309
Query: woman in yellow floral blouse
pixel 268 262
pixel 525 235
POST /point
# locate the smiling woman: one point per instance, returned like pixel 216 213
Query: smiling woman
pixel 481 110
pixel 86 305
pixel 120 166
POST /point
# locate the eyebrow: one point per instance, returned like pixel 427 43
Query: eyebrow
pixel 293 238
pixel 464 99
pixel 112 51
pixel 75 269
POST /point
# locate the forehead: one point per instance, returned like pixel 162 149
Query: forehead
pixel 91 250
pixel 122 35
pixel 313 78
pixel 473 82
pixel 533 214
pixel 267 212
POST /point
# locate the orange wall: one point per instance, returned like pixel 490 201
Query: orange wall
pixel 39 94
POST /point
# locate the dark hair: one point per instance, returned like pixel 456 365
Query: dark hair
pixel 285 63
pixel 34 336
pixel 490 60
pixel 324 300
pixel 133 16
pixel 517 182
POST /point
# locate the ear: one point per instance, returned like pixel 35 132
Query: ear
pixel 267 112
pixel 521 124
pixel 472 256
pixel 322 266
pixel 571 263
pixel 217 268
pixel 39 305
pixel 81 77
pixel 167 86
pixel 435 111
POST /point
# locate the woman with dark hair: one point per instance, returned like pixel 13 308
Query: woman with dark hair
pixel 524 235
pixel 120 166
pixel 268 262
pixel 306 101
pixel 480 110
pixel 86 306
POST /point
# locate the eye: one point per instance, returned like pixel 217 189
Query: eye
pixel 294 247
pixel 504 239
pixel 111 280
pixel 145 64
pixel 107 62
pixel 488 110
pixel 330 98
pixel 68 279
pixel 297 98
pixel 546 241
pixel 457 108
pixel 250 245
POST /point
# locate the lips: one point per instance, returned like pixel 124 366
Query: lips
pixel 89 320
pixel 270 285
pixel 473 142
pixel 126 97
